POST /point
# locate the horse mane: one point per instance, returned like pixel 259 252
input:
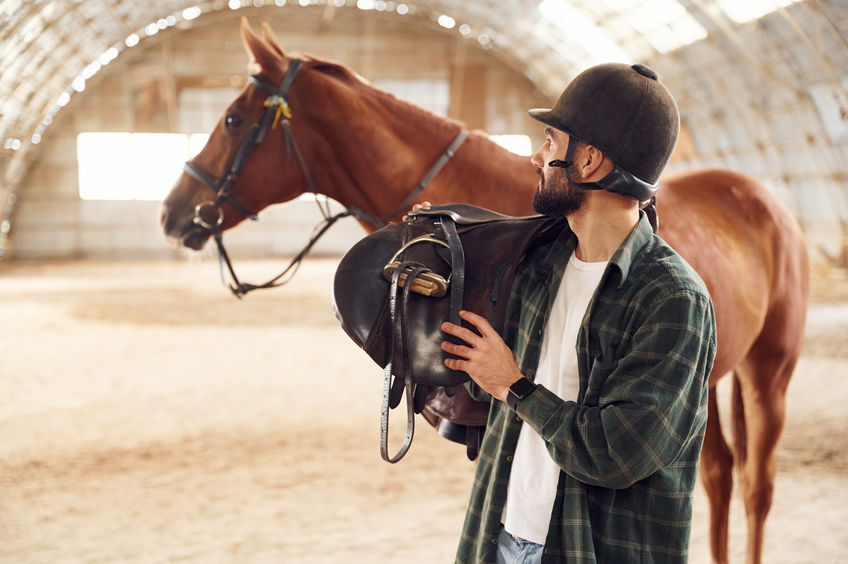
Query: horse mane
pixel 365 90
pixel 267 49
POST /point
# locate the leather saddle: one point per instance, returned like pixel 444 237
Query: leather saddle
pixel 395 287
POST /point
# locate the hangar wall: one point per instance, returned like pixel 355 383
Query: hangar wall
pixel 144 91
pixel 767 98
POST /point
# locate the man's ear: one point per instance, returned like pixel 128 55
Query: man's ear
pixel 593 164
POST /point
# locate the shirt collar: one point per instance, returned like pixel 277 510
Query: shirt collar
pixel 641 234
pixel 554 260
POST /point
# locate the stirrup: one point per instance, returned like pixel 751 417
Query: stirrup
pixel 426 283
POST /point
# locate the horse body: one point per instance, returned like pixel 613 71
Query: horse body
pixel 368 150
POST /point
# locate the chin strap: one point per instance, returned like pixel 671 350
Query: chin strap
pixel 650 210
pixel 618 181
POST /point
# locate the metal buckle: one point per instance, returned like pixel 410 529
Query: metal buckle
pixel 198 215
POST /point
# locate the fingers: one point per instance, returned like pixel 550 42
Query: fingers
pixel 416 207
pixel 466 335
pixel 479 322
pixel 458 350
pixel 456 364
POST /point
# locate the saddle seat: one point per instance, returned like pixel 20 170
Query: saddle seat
pixel 465 214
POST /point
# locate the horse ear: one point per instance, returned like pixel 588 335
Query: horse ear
pixel 260 52
pixel 271 39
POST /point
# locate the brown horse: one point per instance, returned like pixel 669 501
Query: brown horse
pixel 366 149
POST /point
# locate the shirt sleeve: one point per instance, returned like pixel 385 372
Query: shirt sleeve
pixel 651 404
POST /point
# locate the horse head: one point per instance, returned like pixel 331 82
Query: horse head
pixel 269 145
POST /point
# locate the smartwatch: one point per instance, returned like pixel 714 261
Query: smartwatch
pixel 519 390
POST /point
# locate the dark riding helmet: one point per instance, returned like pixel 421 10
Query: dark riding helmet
pixel 628 114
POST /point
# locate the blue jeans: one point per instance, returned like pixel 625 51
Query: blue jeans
pixel 513 550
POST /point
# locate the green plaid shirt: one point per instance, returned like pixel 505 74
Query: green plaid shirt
pixel 629 446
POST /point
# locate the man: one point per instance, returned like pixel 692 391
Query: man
pixel 599 386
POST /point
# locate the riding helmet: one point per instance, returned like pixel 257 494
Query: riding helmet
pixel 624 111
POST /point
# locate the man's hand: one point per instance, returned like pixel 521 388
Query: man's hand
pixel 416 207
pixel 484 357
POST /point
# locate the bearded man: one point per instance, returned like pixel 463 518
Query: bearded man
pixel 599 386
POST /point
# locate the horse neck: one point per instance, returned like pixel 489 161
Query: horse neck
pixel 390 151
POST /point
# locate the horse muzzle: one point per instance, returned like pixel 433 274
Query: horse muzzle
pixel 184 230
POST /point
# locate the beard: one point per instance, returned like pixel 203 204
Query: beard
pixel 557 196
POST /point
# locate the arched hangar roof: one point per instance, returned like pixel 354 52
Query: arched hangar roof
pixel 761 83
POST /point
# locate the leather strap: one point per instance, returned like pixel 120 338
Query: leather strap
pixel 457 289
pixel 291 144
pixel 277 111
pixel 392 390
pixel 617 181
pixel 473 440
pixel 443 160
pixel 398 329
pixel 239 288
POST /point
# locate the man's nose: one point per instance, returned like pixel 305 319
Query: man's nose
pixel 536 159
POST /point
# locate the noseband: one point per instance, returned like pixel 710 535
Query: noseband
pixel 277 112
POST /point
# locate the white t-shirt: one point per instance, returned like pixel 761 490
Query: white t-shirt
pixel 534 476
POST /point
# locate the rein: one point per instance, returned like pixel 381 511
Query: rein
pixel 277 112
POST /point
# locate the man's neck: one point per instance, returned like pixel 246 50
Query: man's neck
pixel 602 224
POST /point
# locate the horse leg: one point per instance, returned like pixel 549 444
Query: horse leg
pixel 759 408
pixel 717 477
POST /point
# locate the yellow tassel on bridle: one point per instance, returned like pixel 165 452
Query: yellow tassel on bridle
pixel 282 108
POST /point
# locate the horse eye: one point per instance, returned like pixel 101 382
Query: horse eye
pixel 232 121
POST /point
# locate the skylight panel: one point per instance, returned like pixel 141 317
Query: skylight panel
pixel 665 24
pixel 580 30
pixel 741 12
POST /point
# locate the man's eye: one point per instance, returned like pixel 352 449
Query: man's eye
pixel 232 121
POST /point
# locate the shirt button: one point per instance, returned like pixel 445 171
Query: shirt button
pixel 494 540
pixel 509 458
pixel 518 419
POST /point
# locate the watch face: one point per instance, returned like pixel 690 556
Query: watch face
pixel 522 388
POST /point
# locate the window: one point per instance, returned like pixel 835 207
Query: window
pixel 741 12
pixel 132 166
pixel 518 144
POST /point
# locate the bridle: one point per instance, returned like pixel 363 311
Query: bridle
pixel 277 112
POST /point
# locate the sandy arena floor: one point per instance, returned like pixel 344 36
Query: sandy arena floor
pixel 147 416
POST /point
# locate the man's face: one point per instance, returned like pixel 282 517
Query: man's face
pixel 555 196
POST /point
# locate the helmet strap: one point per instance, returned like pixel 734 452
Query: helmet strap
pixel 567 160
pixel 618 181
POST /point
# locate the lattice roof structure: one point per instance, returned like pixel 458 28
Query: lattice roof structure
pixel 763 84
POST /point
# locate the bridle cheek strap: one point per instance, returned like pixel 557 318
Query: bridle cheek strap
pixel 276 108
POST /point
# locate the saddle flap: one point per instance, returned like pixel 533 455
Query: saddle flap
pixel 381 288
pixel 493 244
